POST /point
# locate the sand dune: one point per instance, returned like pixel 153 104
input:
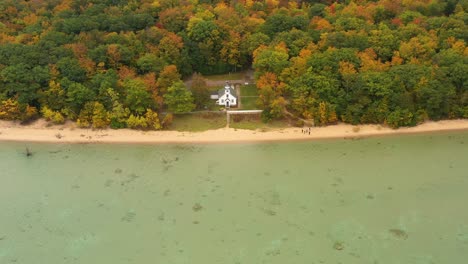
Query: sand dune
pixel 39 131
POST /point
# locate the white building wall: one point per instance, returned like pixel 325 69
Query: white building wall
pixel 222 100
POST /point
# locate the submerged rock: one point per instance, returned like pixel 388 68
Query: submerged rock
pixel 398 233
pixel 338 245
pixel 269 212
pixel 197 207
pixel 128 217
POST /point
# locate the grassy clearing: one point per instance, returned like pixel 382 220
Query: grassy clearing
pixel 256 123
pixel 198 122
pixel 226 77
pixel 249 90
pixel 249 102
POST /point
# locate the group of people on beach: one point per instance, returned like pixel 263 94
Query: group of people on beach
pixel 306 130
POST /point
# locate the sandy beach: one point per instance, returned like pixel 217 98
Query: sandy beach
pixel 39 131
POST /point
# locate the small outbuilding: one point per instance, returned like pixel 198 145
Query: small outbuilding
pixel 226 97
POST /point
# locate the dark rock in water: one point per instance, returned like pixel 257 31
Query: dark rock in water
pixel 128 217
pixel 269 212
pixel 370 196
pixel 28 152
pixel 118 171
pixel 398 233
pixel 108 183
pixel 197 207
pixel 338 246
pixel 161 217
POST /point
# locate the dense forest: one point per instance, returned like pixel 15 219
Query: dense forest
pixel 121 63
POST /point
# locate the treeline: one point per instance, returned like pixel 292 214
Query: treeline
pixel 121 63
pixel 393 62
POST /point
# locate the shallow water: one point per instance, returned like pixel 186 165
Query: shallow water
pixel 379 200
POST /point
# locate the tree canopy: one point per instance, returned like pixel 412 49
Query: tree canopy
pixel 369 61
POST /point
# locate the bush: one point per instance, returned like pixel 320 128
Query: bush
pixel 116 124
pixel 100 117
pixel 10 110
pixel 118 116
pixel 93 115
pixel 47 113
pixel 29 113
pixel 421 116
pixel 85 119
pixel 152 120
pixel 400 117
pixel 53 116
pixel 325 114
pixel 68 113
pixel 58 118
pixel 167 121
pixel 266 115
pixel 137 122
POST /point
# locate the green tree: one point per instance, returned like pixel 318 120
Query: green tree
pixel 137 122
pixel 118 115
pixel 200 91
pixel 24 81
pixel 137 98
pixel 54 97
pixel 150 63
pixel 85 118
pixel 100 116
pixel 168 76
pixel 70 68
pixel 435 98
pixel 271 59
pixel 152 120
pixel 280 22
pixel 10 109
pixel 400 117
pixel 77 95
pixel 178 99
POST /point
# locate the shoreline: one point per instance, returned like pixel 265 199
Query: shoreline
pixel 39 131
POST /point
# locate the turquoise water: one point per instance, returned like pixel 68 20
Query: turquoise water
pixel 378 200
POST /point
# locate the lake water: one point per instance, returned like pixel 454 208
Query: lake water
pixel 395 200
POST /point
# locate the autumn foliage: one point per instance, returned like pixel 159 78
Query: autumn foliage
pixel 122 63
